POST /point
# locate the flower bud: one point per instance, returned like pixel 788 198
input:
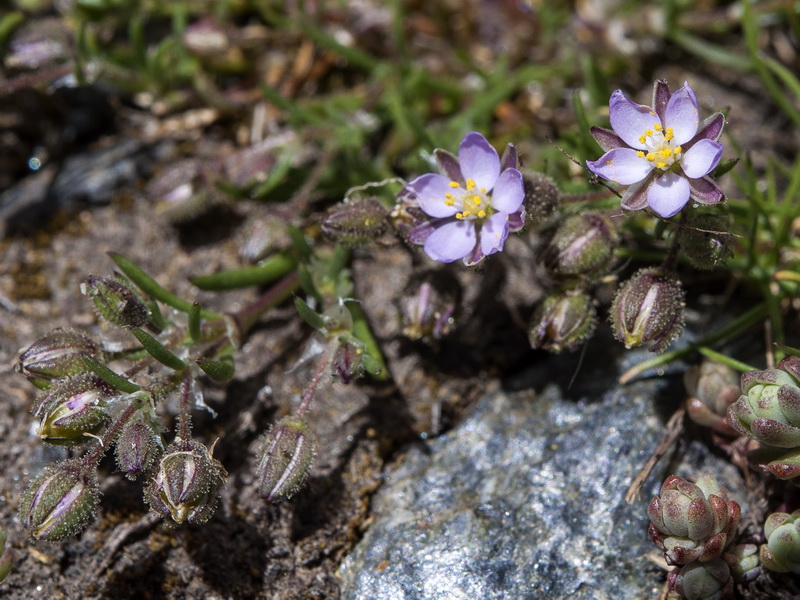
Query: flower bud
pixel 712 388
pixel 61 501
pixel 781 553
pixel 187 483
pixel 7 556
pixel 56 355
pixel 137 448
pixel 73 409
pixel 428 306
pixel 563 322
pixel 706 240
pixel 704 581
pixel 582 247
pixel 542 196
pixel 116 302
pixel 691 522
pixel 744 562
pixel 285 462
pixel 347 363
pixel 356 221
pixel 648 309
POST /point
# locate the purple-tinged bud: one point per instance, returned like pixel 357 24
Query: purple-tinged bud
pixel 7 556
pixel 582 247
pixel 137 448
pixel 709 580
pixel 712 388
pixel 706 240
pixel 648 309
pixel 542 196
pixel 61 501
pixel 356 221
pixel 73 409
pixel 744 562
pixel 116 302
pixel 348 363
pixel 285 462
pixel 781 553
pixel 428 306
pixel 55 355
pixel 187 483
pixel 563 322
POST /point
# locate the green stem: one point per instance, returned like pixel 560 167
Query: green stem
pixel 250 314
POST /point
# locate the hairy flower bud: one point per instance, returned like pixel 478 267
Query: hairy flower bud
pixel 428 306
pixel 116 302
pixel 582 247
pixel 563 322
pixel 691 522
pixel 703 581
pixel 187 483
pixel 73 409
pixel 356 221
pixel 7 556
pixel 61 501
pixel 744 562
pixel 55 355
pixel 712 388
pixel 781 553
pixel 285 462
pixel 347 363
pixel 542 196
pixel 706 240
pixel 769 409
pixel 136 448
pixel 648 309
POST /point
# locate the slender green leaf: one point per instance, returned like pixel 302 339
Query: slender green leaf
pixel 157 350
pixel 110 377
pixel 268 271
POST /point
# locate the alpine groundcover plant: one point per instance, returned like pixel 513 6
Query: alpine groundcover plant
pixel 447 176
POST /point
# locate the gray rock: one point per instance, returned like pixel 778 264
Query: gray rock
pixel 524 500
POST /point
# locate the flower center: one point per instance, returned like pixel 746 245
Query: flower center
pixel 472 203
pixel 660 151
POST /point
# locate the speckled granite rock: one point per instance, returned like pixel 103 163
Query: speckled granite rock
pixel 524 500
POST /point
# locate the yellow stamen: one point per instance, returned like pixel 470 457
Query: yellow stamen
pixel 657 126
pixel 481 214
pixel 661 165
pixel 483 190
pixel 459 216
pixel 677 150
pixel 640 154
pixel 466 213
pixel 449 202
pixel 651 157
pixel 470 184
pixel 649 132
pixel 642 139
pixel 454 184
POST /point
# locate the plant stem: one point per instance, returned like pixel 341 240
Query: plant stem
pixel 249 315
pixel 322 366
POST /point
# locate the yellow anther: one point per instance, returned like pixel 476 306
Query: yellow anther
pixel 449 196
pixel 449 202
pixel 642 139
pixel 459 216
pixel 677 149
pixel 454 184
pixel 470 184
pixel 483 190
pixel 481 214
pixel 465 214
pixel 651 157
pixel 665 152
pixel 649 132
pixel 640 154
pixel 661 165
pixel 657 126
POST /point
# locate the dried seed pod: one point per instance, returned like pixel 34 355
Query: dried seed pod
pixel 285 462
pixel 563 322
pixel 55 355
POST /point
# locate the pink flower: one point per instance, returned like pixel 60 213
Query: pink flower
pixel 663 153
pixel 474 207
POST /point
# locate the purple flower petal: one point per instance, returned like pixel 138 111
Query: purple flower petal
pixel 661 96
pixel 607 139
pixel 635 197
pixel 494 233
pixel 510 158
pixel 630 120
pixel 449 165
pixel 668 194
pixel 509 192
pixel 701 158
pixel 620 165
pixel 451 241
pixel 474 257
pixel 479 161
pixel 682 115
pixel 706 191
pixel 516 221
pixel 711 128
pixel 430 190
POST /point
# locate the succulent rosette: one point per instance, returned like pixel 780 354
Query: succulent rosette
pixel 473 207
pixel 769 408
pixel 703 580
pixel 690 522
pixel 712 388
pixel 662 152
pixel 781 553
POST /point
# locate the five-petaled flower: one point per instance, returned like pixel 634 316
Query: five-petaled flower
pixel 663 153
pixel 473 207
